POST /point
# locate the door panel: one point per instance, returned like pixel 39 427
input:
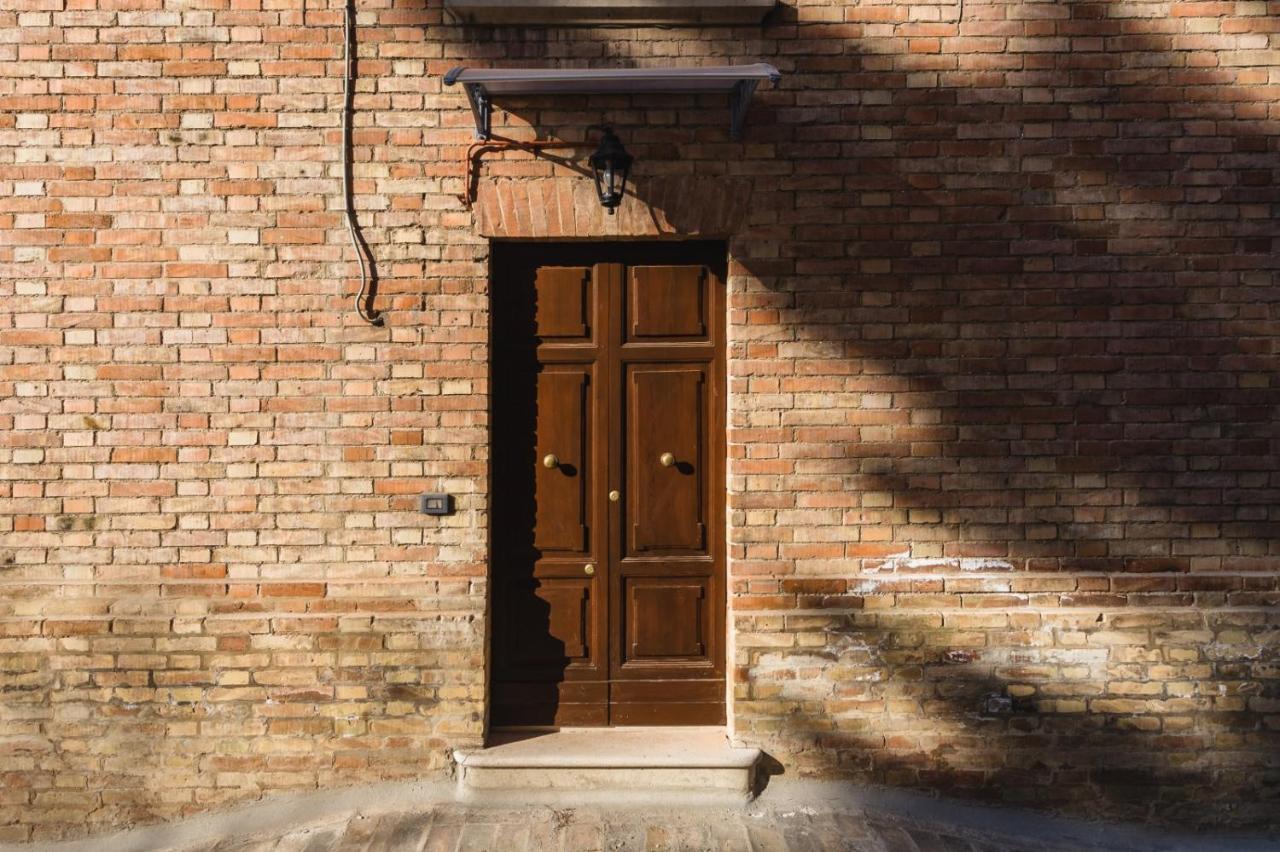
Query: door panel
pixel 564 434
pixel 667 301
pixel 549 617
pixel 564 302
pixel 665 426
pixel 666 618
pixel 608 610
pixel 555 629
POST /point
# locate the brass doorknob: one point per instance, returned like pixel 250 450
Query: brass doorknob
pixel 550 460
pixel 666 459
pixel 615 496
pixel 589 570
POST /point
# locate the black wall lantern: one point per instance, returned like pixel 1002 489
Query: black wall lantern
pixel 610 164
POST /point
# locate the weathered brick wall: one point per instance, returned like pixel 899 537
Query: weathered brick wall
pixel 1004 325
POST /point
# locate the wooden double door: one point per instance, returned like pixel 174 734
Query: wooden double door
pixel 608 484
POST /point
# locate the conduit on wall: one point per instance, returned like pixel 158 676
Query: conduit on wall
pixel 368 272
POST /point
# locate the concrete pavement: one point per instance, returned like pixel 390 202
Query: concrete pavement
pixel 793 816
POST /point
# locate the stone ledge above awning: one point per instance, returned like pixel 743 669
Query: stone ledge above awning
pixel 579 12
pixel 482 85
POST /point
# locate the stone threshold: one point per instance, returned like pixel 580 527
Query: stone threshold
pixel 605 764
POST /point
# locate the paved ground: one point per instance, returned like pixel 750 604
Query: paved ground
pixel 455 828
pixel 458 828
pixel 800 817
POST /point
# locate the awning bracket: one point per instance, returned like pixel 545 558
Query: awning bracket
pixel 481 109
pixel 738 103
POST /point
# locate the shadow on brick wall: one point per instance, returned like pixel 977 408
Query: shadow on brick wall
pixel 1033 334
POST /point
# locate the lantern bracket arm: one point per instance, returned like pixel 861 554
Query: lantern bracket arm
pixel 477 150
pixel 483 85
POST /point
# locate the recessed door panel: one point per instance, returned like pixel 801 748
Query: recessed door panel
pixel 666 619
pixel 667 301
pixel 563 449
pixel 550 621
pixel 564 301
pixel 666 419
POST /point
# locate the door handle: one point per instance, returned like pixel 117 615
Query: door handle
pixel 550 460
pixel 666 459
pixel 589 570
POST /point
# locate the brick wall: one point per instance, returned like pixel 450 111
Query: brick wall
pixel 1004 333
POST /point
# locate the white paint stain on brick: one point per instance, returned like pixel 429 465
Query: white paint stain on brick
pixel 905 562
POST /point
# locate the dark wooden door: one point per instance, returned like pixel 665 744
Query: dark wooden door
pixel 608 494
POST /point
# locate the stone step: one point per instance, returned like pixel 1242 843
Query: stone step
pixel 596 763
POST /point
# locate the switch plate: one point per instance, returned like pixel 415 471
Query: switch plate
pixel 435 504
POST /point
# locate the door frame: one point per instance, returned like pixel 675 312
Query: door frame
pixel 715 254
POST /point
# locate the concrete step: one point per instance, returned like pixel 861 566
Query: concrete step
pixel 607 763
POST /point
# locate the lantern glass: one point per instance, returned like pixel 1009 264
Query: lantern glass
pixel 610 165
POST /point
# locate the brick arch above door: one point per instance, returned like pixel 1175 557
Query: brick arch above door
pixel 567 208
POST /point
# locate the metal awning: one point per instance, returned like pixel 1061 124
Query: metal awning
pixel 482 85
